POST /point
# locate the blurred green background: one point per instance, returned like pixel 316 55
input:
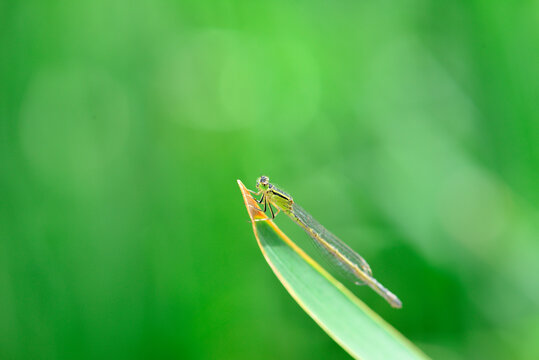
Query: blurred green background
pixel 408 128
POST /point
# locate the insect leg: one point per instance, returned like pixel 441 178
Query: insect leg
pixel 272 214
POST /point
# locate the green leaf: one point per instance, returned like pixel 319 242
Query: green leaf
pixel 345 318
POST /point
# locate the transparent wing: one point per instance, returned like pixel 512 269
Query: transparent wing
pixel 338 252
pixel 321 236
pixel 347 260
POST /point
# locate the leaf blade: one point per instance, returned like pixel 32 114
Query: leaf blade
pixel 346 319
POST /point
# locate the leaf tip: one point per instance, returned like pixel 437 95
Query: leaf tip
pixel 252 206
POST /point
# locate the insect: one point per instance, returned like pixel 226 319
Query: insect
pixel 332 247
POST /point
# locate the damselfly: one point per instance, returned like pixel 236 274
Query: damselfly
pixel 336 250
